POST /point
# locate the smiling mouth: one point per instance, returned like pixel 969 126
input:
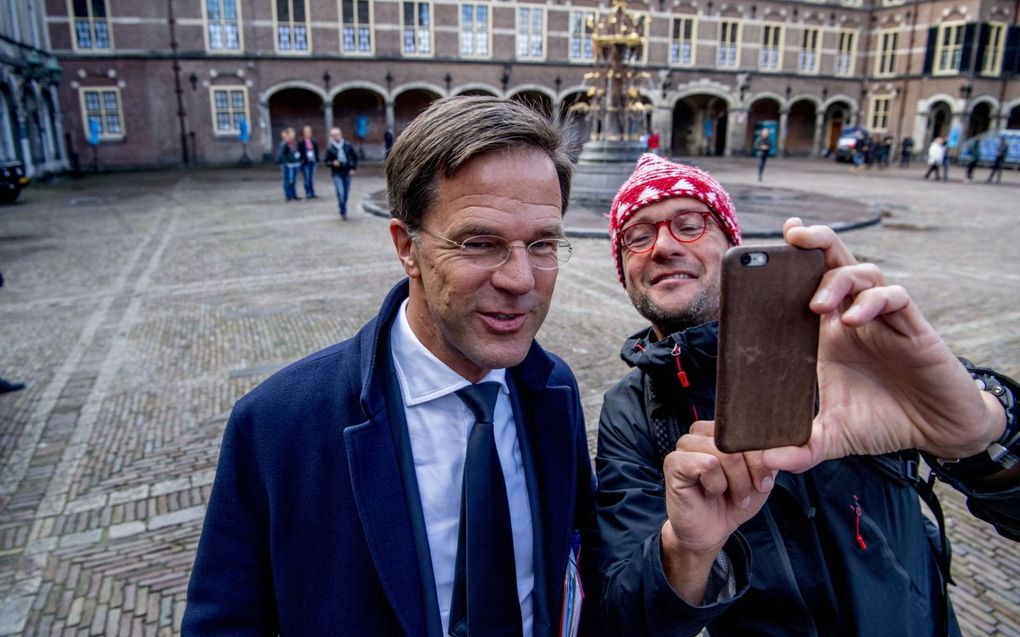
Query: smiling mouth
pixel 673 276
pixel 504 322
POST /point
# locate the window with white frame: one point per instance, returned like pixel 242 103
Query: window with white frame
pixel 229 108
pixel 880 105
pixel 991 62
pixel 356 26
pixel 807 60
pixel 885 63
pixel 681 42
pixel 582 24
pixel 91 23
pixel 474 30
pixel 223 25
pixel 770 56
pixel 728 41
pixel 530 33
pixel 292 26
pixel 948 47
pixel 102 106
pixel 846 50
pixel 417 28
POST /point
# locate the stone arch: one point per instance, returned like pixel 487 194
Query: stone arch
pixel 800 126
pixel 293 105
pixel 838 112
pixel 265 95
pixel 356 84
pixel 476 88
pixel 982 116
pixel 426 87
pixel 32 111
pixel 539 100
pixel 700 122
pixel 764 107
pixel 409 102
pixel 1011 113
pixel 360 112
pixel 939 119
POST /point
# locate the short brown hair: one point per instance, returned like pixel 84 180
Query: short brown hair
pixel 454 130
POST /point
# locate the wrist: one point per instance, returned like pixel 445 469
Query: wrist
pixel 686 568
pixel 999 449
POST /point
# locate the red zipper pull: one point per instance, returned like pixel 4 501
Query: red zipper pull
pixel 856 508
pixel 680 373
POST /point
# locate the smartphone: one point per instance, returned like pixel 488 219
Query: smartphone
pixel 766 374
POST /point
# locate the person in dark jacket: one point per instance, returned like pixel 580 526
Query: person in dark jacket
pixel 825 539
pixel 288 155
pixel 346 481
pixel 342 162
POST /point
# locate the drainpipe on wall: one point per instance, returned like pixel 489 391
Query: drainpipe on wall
pixel 181 115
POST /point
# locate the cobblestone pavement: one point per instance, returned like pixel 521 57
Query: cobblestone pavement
pixel 139 307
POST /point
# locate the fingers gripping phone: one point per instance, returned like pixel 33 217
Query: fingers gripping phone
pixel 768 347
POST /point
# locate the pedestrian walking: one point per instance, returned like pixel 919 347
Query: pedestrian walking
pixel 764 147
pixel 309 159
pixel 936 153
pixel 1000 157
pixel 342 161
pixel 289 158
pixel 653 142
pixel 906 150
pixel 975 155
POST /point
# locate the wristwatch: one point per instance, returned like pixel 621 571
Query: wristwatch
pixel 1003 454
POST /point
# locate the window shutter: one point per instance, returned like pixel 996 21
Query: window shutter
pixel 982 44
pixel 967 53
pixel 929 52
pixel 1010 63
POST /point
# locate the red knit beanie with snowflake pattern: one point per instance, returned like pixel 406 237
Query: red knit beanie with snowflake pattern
pixel 655 179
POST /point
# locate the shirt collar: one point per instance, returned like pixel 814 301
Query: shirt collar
pixel 423 377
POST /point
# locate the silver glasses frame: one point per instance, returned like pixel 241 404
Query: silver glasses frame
pixel 564 249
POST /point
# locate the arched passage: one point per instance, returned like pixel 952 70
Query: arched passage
pixel 800 128
pixel 294 108
pixel 1013 121
pixel 361 114
pixel 10 149
pixel 409 105
pixel 765 109
pixel 699 125
pixel 837 115
pixel 938 121
pixel 980 119
pixel 536 100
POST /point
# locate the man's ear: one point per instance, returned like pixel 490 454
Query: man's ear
pixel 405 248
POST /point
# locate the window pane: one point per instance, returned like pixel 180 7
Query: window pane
pixel 113 123
pixel 466 16
pixel 348 39
pixel 423 15
pixel 220 100
pixel 283 10
pixel 482 16
pixel 102 35
pixel 301 38
pixel 81 9
pixel 408 13
pixel 363 12
pixel 99 122
pixel 236 121
pixel 230 9
pixel 298 9
pixel 213 9
pixel 91 101
pixel 283 38
pixel 98 8
pixel 347 11
pixel 222 121
pixel 84 34
pixel 215 37
pixel 237 100
pixel 232 39
pixel 110 100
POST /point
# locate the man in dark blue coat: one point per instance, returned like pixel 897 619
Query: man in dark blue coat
pixel 338 504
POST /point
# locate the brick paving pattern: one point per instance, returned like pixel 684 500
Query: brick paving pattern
pixel 139 307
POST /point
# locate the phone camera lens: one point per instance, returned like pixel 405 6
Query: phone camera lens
pixel 745 259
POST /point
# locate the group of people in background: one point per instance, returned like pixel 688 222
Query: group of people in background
pixel 872 150
pixel 939 158
pixel 302 156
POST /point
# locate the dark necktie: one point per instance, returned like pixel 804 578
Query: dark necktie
pixel 484 600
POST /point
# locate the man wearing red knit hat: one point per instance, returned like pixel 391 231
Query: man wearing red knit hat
pixel 825 539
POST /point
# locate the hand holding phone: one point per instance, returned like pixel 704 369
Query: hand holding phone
pixel 768 347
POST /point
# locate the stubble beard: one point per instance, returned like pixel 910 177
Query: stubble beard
pixel 704 307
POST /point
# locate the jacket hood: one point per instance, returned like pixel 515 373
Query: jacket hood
pixel 696 347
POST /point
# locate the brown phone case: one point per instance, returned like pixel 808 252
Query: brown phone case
pixel 768 348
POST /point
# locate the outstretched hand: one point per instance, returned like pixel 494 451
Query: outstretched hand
pixel 886 380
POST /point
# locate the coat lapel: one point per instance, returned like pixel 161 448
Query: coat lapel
pixel 381 502
pixel 552 483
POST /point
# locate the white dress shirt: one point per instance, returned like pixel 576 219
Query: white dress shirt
pixel 438 423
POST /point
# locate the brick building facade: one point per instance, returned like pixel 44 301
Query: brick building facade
pixel 178 81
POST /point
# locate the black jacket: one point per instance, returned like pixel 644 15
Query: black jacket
pixel 798 565
pixel 349 162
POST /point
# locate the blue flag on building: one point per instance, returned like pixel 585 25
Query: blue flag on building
pixel 243 133
pixel 94 132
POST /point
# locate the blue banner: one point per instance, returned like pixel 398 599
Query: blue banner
pixel 361 127
pixel 244 134
pixel 93 132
